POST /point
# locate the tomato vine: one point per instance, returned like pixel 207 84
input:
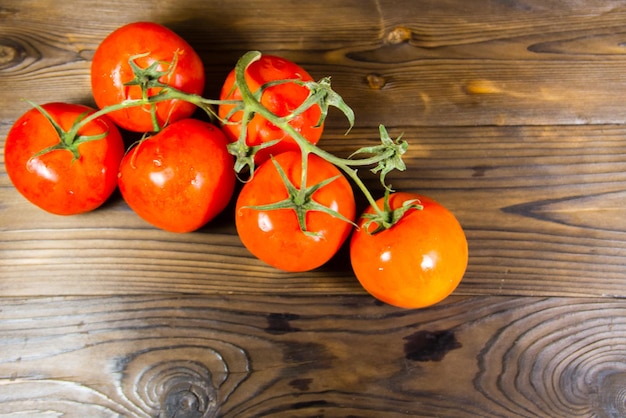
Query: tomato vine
pixel 182 172
pixel 385 157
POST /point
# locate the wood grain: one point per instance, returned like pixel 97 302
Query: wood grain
pixel 302 356
pixel 515 117
pixel 541 207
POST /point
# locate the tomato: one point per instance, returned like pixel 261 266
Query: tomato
pixel 180 178
pixel 57 181
pixel 274 236
pixel 417 262
pixel 280 99
pixel 110 70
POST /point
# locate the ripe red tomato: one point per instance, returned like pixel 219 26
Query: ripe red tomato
pixel 110 70
pixel 417 262
pixel 281 100
pixel 180 178
pixel 274 236
pixel 56 181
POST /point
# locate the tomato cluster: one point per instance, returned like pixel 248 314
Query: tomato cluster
pixel 296 210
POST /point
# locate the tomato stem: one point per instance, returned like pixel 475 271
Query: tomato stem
pixel 387 156
pixel 253 104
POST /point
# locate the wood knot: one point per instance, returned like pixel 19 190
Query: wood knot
pixel 11 53
pixel 398 35
pixel 375 81
pixel 184 398
pixel 178 388
pixel 611 400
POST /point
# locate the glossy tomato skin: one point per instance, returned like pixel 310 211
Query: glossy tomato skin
pixel 417 262
pixel 110 69
pixel 274 236
pixel 180 178
pixel 54 181
pixel 280 100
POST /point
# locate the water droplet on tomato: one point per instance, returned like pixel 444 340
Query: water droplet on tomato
pixel 197 181
pixel 157 163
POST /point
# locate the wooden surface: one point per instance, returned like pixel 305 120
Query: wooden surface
pixel 514 111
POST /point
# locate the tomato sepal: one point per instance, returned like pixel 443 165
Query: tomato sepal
pixel 149 77
pixel 301 200
pixel 244 154
pixel 68 140
pixel 322 94
pixel 388 217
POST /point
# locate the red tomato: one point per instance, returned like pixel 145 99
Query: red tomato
pixel 55 181
pixel 180 178
pixel 281 100
pixel 274 236
pixel 417 262
pixel 110 70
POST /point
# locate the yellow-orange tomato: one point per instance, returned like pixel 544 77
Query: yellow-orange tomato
pixel 417 262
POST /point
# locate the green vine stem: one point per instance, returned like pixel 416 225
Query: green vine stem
pixel 387 156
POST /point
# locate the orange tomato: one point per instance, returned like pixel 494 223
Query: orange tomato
pixel 417 262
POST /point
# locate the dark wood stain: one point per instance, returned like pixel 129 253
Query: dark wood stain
pixel 279 323
pixel 429 345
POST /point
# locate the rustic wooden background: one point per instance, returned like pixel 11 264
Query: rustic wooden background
pixel 515 113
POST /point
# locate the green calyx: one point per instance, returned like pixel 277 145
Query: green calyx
pixel 300 200
pixel 388 217
pixel 68 140
pixel 149 78
pixel 321 94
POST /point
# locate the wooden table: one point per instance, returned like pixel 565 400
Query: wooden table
pixel 514 111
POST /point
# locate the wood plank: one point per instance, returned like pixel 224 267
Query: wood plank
pixel 437 63
pixel 541 207
pixel 301 356
pixel 514 112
